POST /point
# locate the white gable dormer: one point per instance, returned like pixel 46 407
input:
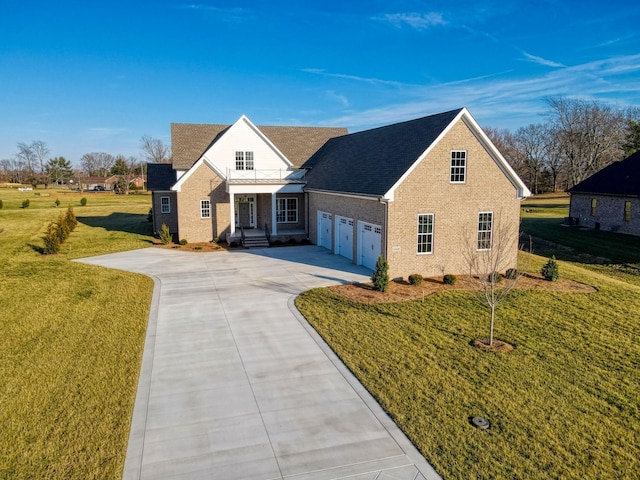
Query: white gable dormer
pixel 241 150
pixel 244 139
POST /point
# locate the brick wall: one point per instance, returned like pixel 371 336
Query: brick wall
pixel 455 207
pixel 169 219
pixel 201 185
pixel 609 212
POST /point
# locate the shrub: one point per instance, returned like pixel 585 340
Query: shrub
pixel 511 273
pixel 1 205
pixel 415 279
pixel 183 241
pixel 64 229
pixel 233 244
pixel 550 271
pixel 449 279
pixel 277 242
pixel 150 215
pixel 83 201
pixel 494 277
pixel 51 240
pixel 165 234
pixel 25 203
pixel 71 219
pixel 292 241
pixel 380 277
pixel 57 202
pixel 306 241
pixel 216 240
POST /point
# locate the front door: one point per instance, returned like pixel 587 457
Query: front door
pixel 245 212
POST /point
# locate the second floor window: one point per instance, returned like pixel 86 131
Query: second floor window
pixel 458 166
pixel 594 207
pixel 244 160
pixel 627 211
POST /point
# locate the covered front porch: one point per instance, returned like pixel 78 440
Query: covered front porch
pixel 276 213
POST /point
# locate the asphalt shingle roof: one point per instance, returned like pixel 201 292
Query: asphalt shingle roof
pixel 189 141
pixel 372 161
pixel 619 178
pixel 160 176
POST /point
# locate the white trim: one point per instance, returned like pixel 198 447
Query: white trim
pixel 168 205
pixel 375 198
pixel 521 189
pixel 202 208
pixel 433 224
pixel 490 231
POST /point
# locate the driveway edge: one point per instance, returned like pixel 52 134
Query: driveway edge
pixel 389 425
pixel 135 446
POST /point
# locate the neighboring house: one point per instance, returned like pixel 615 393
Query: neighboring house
pixel 610 198
pixel 417 192
pixel 94 183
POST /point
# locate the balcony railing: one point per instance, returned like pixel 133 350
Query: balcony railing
pixel 266 176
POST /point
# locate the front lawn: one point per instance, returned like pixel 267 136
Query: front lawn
pixel 71 336
pixel 563 404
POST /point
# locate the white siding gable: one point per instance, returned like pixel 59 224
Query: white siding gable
pixel 244 136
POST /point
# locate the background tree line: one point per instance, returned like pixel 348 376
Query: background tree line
pixel 31 166
pixel 578 138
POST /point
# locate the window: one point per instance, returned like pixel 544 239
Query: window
pixel 425 233
pixel 627 211
pixel 248 160
pixel 165 204
pixel 458 166
pixel 594 204
pixel 485 226
pixel 239 160
pixel 287 210
pixel 205 209
pixel 244 160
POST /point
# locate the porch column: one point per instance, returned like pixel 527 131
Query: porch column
pixel 274 215
pixel 232 215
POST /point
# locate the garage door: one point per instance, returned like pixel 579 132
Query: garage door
pixel 344 237
pixel 369 244
pixel 324 229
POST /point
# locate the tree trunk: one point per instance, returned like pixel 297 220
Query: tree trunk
pixel 493 311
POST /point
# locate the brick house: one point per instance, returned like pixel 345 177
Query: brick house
pixel 416 192
pixel 609 199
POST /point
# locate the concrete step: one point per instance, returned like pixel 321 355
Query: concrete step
pixel 256 242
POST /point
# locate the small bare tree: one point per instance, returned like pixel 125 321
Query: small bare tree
pixel 491 251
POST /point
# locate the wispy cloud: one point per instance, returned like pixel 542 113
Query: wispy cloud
pixel 419 21
pixel 542 61
pixel 355 78
pixel 236 14
pixel 505 100
pixel 342 99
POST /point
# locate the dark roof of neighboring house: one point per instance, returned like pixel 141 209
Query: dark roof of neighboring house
pixel 160 176
pixel 372 161
pixel 619 178
pixel 189 141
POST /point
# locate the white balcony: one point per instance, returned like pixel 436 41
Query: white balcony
pixel 266 177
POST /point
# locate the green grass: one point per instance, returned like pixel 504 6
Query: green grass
pixel 613 253
pixel 71 336
pixel 564 404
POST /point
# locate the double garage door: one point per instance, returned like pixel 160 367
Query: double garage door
pixel 369 238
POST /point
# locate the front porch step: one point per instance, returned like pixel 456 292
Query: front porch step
pixel 255 242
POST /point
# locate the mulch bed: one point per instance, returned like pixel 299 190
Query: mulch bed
pixel 402 291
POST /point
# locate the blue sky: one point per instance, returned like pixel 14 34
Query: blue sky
pixel 87 76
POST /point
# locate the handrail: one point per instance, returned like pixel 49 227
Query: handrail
pixel 267 233
pixel 242 236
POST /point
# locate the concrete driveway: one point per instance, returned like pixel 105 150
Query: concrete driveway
pixel 236 385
